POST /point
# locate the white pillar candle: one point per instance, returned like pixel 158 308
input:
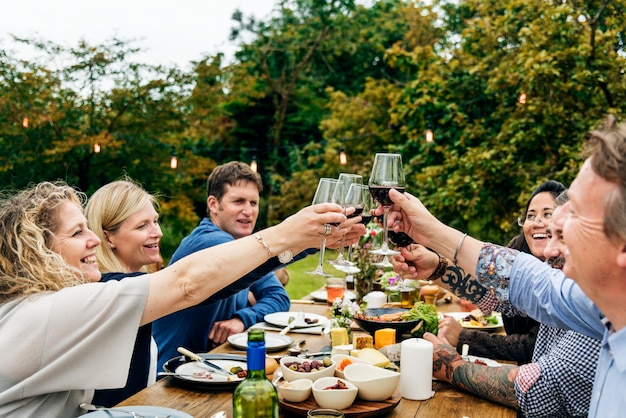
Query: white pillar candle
pixel 416 369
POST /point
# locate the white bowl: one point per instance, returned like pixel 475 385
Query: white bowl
pixel 291 375
pixel 339 358
pixel 296 391
pixel 334 398
pixel 374 383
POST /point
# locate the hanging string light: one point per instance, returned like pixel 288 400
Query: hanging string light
pixel 25 122
pixel 522 98
pixel 343 158
pixel 429 135
pixel 174 162
pixel 253 164
pixel 96 148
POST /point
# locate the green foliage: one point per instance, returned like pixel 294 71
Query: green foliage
pixel 322 75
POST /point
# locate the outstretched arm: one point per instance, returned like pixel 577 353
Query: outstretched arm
pixel 496 384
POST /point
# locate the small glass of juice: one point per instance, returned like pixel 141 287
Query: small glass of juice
pixel 335 287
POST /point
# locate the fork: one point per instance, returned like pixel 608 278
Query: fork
pixel 91 407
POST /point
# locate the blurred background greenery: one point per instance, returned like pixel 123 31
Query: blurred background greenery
pixel 484 100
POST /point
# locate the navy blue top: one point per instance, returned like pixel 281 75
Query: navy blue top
pixel 190 328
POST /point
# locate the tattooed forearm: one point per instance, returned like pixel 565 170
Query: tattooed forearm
pixel 444 361
pixel 463 285
pixel 493 383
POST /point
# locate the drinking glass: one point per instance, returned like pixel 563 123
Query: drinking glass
pixel 359 196
pixel 328 191
pixel 351 200
pixel 387 173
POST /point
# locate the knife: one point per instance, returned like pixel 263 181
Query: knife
pixel 292 324
pixel 213 366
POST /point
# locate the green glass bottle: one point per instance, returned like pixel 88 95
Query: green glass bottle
pixel 255 396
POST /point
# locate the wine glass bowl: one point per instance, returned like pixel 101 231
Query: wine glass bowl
pixel 328 191
pixel 387 173
pixel 349 200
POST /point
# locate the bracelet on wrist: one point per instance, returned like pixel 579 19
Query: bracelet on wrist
pixel 261 241
pixel 441 267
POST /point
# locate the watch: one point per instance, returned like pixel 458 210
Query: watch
pixel 286 256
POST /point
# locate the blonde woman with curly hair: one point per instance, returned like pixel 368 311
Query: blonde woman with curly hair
pixel 64 334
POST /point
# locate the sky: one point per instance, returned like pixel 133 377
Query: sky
pixel 172 32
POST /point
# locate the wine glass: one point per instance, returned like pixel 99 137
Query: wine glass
pixel 387 173
pixel 359 196
pixel 347 180
pixel 328 191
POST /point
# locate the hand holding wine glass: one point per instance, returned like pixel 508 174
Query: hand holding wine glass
pixel 387 173
pixel 328 191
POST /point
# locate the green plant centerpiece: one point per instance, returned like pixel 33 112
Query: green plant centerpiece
pixel 364 279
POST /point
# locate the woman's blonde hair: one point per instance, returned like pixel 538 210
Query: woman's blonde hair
pixel 28 221
pixel 107 209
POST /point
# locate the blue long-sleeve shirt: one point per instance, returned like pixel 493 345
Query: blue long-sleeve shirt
pixel 523 282
pixel 190 328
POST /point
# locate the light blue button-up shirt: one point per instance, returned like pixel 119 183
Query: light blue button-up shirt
pixel 545 294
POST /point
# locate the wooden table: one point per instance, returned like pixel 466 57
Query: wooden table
pixel 447 402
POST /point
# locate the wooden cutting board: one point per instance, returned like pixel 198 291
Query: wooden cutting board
pixel 359 409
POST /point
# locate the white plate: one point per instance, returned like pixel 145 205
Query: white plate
pixel 186 371
pixel 460 315
pixel 273 342
pixel 488 361
pixel 281 319
pixel 320 295
pixel 149 411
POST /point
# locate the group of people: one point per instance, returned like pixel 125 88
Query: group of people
pixel 580 304
pixel 77 303
pixel 83 320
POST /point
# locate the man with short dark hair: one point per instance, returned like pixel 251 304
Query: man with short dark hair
pixel 232 209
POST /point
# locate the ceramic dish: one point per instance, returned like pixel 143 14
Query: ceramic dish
pixel 148 411
pixel 489 362
pixel 186 368
pixel 371 325
pixel 281 319
pixel 466 324
pixel 273 342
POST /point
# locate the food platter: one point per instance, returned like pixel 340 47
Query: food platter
pixel 359 409
pixel 466 324
pixel 320 295
pixel 186 370
pixel 281 319
pixel 273 341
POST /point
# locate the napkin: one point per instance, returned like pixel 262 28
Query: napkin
pixel 416 369
pixel 308 330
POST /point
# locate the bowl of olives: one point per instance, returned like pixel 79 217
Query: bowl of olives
pixel 295 368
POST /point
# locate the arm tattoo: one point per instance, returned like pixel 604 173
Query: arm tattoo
pixel 496 384
pixel 463 285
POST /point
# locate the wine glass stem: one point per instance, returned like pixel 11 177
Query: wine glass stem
pixel 320 265
pixel 341 246
pixel 385 228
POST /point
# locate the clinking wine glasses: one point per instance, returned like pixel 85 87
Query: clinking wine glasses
pixel 328 191
pixel 351 200
pixel 387 173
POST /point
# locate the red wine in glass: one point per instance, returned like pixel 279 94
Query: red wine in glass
pixel 365 219
pixel 381 194
pixel 357 211
pixel 400 239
